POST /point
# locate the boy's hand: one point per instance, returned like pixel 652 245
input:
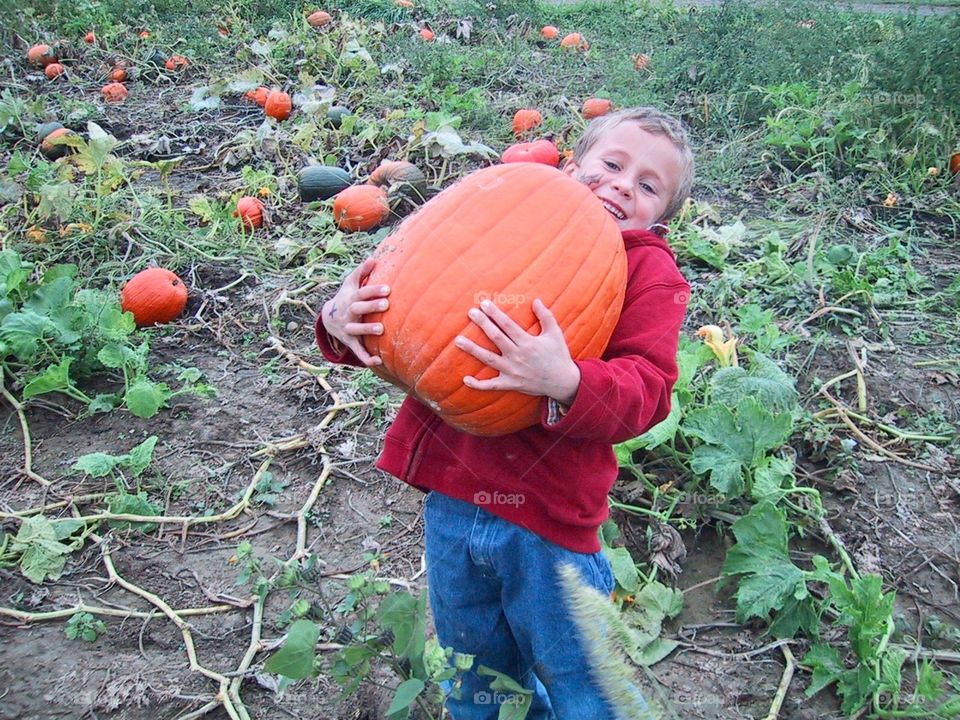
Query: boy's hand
pixel 343 312
pixel 531 364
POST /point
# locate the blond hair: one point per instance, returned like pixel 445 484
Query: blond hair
pixel 656 122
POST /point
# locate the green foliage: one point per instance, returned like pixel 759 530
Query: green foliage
pixel 41 546
pixel 387 627
pixel 55 334
pixel 84 626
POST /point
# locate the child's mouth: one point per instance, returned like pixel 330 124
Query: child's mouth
pixel 614 210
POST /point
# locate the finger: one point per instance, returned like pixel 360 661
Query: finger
pixel 548 323
pixel 503 321
pixel 490 359
pixel 369 306
pixel 368 292
pixel 364 269
pixel 362 355
pixel 495 383
pixel 491 329
pixel 359 329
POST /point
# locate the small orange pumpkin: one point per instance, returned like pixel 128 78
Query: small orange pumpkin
pixel 641 62
pixel 540 151
pixel 90 38
pixel 360 207
pixel 114 92
pixel 595 107
pixel 278 105
pixel 955 163
pixel 403 3
pixel 143 34
pixel 319 19
pixel 402 175
pixel 155 295
pixel 41 55
pixel 574 41
pixel 525 120
pixel 258 96
pixel 118 75
pixel 53 151
pixel 54 70
pixel 427 35
pixel 176 63
pixel 549 32
pixel 250 212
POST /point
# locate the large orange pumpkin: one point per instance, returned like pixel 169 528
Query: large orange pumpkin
pixel 154 295
pixel 360 207
pixel 278 105
pixel 509 233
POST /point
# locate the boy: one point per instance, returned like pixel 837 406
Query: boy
pixel 503 513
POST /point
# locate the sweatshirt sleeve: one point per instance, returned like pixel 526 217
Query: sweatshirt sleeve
pixel 332 349
pixel 627 391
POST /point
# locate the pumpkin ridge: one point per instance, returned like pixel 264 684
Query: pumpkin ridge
pixel 521 257
pixel 548 263
pixel 436 271
pixel 515 230
pixel 574 299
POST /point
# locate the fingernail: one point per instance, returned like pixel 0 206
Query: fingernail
pixel 474 313
pixel 378 329
pixel 382 305
pixel 460 340
pixel 486 304
pixel 385 288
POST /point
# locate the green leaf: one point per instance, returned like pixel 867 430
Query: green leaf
pixel 296 658
pixel 764 381
pixel 22 332
pixel 55 377
pixel 96 464
pixel 769 477
pixel 141 456
pixel 123 503
pixel 824 660
pixel 56 199
pixel 145 398
pixel 624 568
pixel 406 693
pixel 42 555
pixel 761 556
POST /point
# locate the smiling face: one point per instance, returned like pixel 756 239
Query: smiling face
pixel 633 171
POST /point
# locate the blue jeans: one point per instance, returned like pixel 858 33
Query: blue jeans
pixel 495 594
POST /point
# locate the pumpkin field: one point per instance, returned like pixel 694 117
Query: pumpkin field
pixel 191 522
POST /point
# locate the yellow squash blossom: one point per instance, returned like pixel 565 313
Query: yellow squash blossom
pixel 724 350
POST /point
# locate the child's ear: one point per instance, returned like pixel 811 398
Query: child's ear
pixel 569 167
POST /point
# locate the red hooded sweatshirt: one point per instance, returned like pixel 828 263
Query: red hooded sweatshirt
pixel 553 478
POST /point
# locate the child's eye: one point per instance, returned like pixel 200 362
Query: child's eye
pixel 647 187
pixel 611 165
